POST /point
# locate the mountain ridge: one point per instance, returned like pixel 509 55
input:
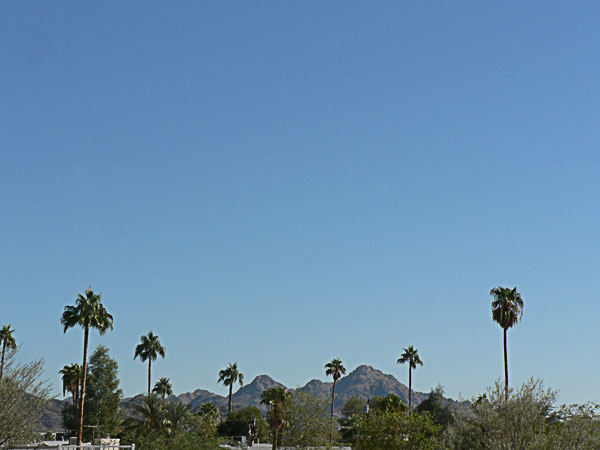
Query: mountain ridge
pixel 364 382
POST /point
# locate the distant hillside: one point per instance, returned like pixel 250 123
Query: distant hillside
pixel 363 382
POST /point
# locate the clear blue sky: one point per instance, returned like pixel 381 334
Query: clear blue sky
pixel 281 183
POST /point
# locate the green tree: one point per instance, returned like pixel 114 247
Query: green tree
pixel 335 369
pixel 71 381
pixel 8 342
pixel 353 409
pixel 149 349
pixel 104 394
pixel 178 417
pixel 206 420
pixel 23 396
pixel 396 430
pixel 437 407
pixel 163 387
pixel 507 311
pixel 278 400
pixel 229 376
pixel 150 415
pixel 410 357
pixel 88 312
pixel 307 422
pixel 237 423
pixel 390 403
pixel 494 422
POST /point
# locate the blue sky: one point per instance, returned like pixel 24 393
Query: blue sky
pixel 281 183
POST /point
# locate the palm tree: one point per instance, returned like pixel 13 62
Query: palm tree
pixel 163 387
pixel 151 414
pixel 336 369
pixel 8 342
pixel 177 417
pixel 507 311
pixel 209 410
pixel 229 376
pixel 71 378
pixel 149 349
pixel 410 356
pixel 88 312
pixel 277 399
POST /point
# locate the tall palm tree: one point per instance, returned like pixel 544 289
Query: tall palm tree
pixel 410 356
pixel 507 311
pixel 229 376
pixel 8 342
pixel 88 312
pixel 277 399
pixel 71 378
pixel 163 387
pixel 336 369
pixel 149 349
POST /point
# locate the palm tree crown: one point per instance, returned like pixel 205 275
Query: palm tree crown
pixel 507 306
pixel 410 356
pixel 71 379
pixel 88 312
pixel 335 369
pixel 507 311
pixel 163 387
pixel 149 349
pixel 229 376
pixel 8 342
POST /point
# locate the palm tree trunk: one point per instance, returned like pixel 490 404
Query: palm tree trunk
pixel 505 368
pixel 86 335
pixel 2 364
pixel 149 373
pixel 275 436
pixel 230 397
pixel 409 388
pixel 332 401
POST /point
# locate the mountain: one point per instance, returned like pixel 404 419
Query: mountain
pixel 363 382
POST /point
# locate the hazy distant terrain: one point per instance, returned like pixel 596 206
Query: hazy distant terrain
pixel 363 382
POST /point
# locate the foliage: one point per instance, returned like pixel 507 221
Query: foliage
pixel 104 394
pixel 437 407
pixel 163 387
pixel 159 424
pixel 390 403
pixel 575 427
pixel 352 410
pixel 307 422
pixel 396 430
pixel 71 380
pixel 237 422
pixel 206 420
pixel 278 399
pixel 518 423
pixel 182 441
pixel 23 396
pixel 102 416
